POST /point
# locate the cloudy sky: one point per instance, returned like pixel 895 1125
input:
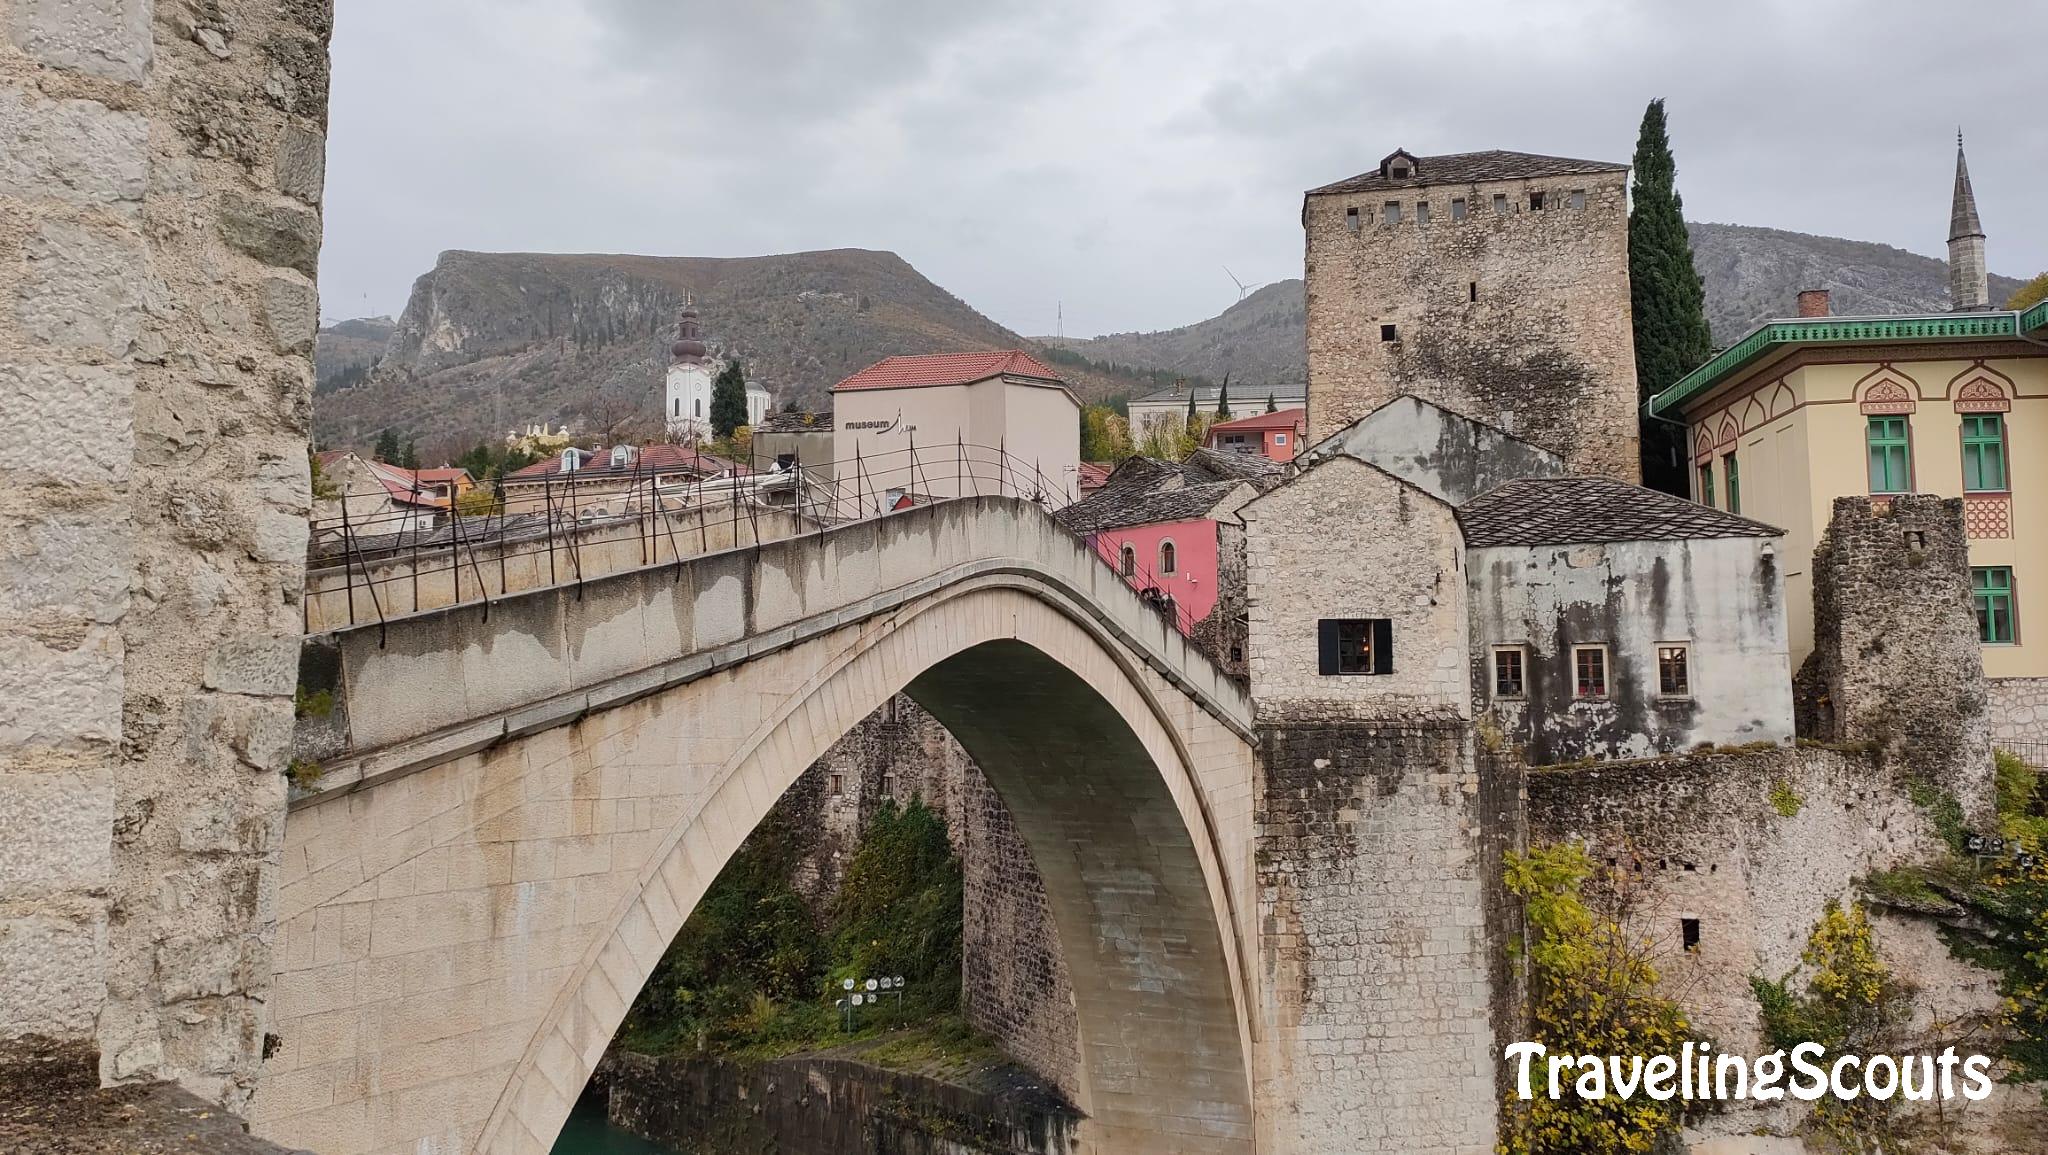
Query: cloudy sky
pixel 1114 156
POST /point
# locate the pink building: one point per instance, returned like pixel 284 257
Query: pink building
pixel 1273 436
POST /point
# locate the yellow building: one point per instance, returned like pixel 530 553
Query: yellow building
pixel 1800 412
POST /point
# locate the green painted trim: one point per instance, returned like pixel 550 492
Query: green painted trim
pixel 2034 318
pixel 1835 331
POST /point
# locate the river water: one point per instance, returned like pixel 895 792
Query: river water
pixel 588 1132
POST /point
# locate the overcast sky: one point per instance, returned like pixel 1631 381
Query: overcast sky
pixel 1116 155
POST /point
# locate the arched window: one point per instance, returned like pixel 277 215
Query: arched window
pixel 1166 557
pixel 698 405
pixel 1130 562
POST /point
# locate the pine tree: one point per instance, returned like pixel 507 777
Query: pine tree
pixel 728 400
pixel 387 449
pixel 409 457
pixel 1672 337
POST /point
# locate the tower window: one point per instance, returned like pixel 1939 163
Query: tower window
pixel 1535 202
pixel 1472 291
pixel 1500 204
pixel 1457 208
pixel 838 785
pixel 1351 218
pixel 1421 212
pixel 1387 333
pixel 1355 645
pixel 1689 933
pixel 1390 213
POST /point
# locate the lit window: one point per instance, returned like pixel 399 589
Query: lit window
pixel 1166 557
pixel 1991 587
pixel 1390 213
pixel 1983 452
pixel 1674 671
pixel 1355 646
pixel 1734 480
pixel 1890 455
pixel 1707 483
pixel 1589 671
pixel 1457 208
pixel 1130 562
pixel 1507 672
pixel 1421 212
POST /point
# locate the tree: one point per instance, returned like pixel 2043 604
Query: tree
pixel 1670 301
pixel 1192 416
pixel 409 457
pixel 2030 294
pixel 728 401
pixel 388 450
pixel 1272 405
pixel 1105 434
pixel 1223 399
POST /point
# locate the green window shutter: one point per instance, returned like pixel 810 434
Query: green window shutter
pixel 1991 587
pixel 1734 477
pixel 1707 484
pixel 1890 455
pixel 1326 646
pixel 1983 452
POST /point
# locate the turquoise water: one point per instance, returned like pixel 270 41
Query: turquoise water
pixel 589 1133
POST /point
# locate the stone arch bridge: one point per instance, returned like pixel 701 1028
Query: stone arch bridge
pixel 529 800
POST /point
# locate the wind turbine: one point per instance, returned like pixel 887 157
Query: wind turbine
pixel 1243 290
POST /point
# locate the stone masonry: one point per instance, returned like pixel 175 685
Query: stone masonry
pixel 1896 662
pixel 2018 715
pixel 161 169
pixel 1518 318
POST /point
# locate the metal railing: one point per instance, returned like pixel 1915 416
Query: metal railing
pixel 553 529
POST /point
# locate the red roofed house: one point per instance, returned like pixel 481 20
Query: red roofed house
pixel 608 480
pixel 385 498
pixel 938 403
pixel 1274 436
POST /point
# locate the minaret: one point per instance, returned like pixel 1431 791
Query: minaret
pixel 1969 285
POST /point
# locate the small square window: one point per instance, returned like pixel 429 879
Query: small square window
pixel 1507 673
pixel 1355 646
pixel 1689 933
pixel 1421 212
pixel 838 785
pixel 1535 202
pixel 1457 208
pixel 1500 204
pixel 1387 333
pixel 1351 219
pixel 1577 199
pixel 1279 439
pixel 1674 670
pixel 1589 671
pixel 1400 172
pixel 1390 213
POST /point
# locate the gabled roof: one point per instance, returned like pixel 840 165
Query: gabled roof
pixel 1284 419
pixel 646 459
pixel 1207 464
pixel 1124 506
pixel 1470 168
pixel 1537 511
pixel 948 369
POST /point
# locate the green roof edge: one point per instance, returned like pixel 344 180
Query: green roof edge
pixel 1841 330
pixel 2034 318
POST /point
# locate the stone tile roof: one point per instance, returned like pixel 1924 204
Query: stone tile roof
pixel 1575 510
pixel 947 369
pixel 646 459
pixel 1206 464
pixel 796 423
pixel 1119 506
pixel 1471 168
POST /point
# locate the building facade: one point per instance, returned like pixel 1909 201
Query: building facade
pixel 1494 284
pixel 955 424
pixel 1274 436
pixel 1806 410
pixel 692 371
pixel 616 480
pixel 1171 403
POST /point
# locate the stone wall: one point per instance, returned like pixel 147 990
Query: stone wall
pixel 1519 320
pixel 2017 714
pixel 1896 661
pixel 159 226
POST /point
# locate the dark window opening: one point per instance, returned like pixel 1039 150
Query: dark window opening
pixel 1589 672
pixel 1535 202
pixel 1689 931
pixel 1236 652
pixel 1387 333
pixel 1355 645
pixel 1507 673
pixel 1400 172
pixel 1472 291
pixel 1129 561
pixel 838 785
pixel 1351 219
pixel 1166 557
pixel 1733 477
pixel 889 785
pixel 1674 671
pixel 1916 540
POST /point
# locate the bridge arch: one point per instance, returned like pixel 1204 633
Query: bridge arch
pixel 1134 805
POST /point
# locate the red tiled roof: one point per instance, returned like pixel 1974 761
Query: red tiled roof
pixel 646 459
pixel 1095 474
pixel 1284 419
pixel 947 369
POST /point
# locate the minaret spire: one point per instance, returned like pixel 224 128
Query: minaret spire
pixel 1969 284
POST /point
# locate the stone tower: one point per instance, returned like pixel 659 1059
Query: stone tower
pixel 1494 284
pixel 1969 286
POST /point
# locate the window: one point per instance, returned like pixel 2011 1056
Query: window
pixel 1535 202
pixel 1689 933
pixel 1421 212
pixel 1500 204
pixel 1399 172
pixel 1707 483
pixel 1390 213
pixel 1991 586
pixel 838 785
pixel 679 407
pixel 1507 672
pixel 1734 482
pixel 1355 646
pixel 1577 200
pixel 1166 558
pixel 1674 671
pixel 697 404
pixel 1279 439
pixel 1129 562
pixel 1890 455
pixel 1351 219
pixel 1589 671
pixel 1387 333
pixel 1457 208
pixel 1983 452
pixel 1472 291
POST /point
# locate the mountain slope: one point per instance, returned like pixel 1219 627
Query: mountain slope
pixel 490 341
pixel 1751 274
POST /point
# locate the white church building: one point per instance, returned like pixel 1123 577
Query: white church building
pixel 691 370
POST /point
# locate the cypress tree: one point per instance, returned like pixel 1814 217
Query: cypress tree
pixel 387 450
pixel 1223 398
pixel 1272 406
pixel 1670 301
pixel 1191 408
pixel 728 400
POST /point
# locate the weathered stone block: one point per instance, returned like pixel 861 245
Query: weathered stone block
pixel 72 560
pixel 51 981
pixel 284 235
pixel 58 698
pixel 106 38
pixel 291 310
pixel 83 408
pixel 253 664
pixel 79 151
pixel 302 164
pixel 84 287
pixel 54 833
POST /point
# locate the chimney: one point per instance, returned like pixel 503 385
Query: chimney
pixel 1813 302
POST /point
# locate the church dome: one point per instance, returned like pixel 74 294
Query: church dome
pixel 688 346
pixel 687 350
